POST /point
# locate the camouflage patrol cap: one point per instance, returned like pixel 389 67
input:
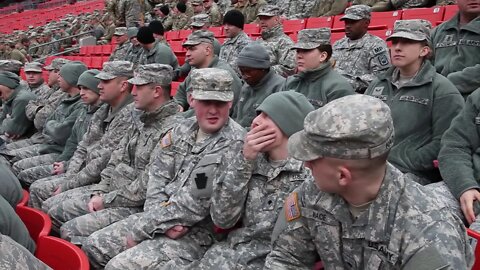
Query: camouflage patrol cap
pixel 114 69
pixel 357 12
pixel 417 30
pixel 196 2
pixel 200 20
pixel 269 11
pixel 10 65
pixel 152 73
pixel 211 84
pixel 312 38
pixel 120 31
pixel 197 37
pixel 132 32
pixel 33 67
pixel 57 64
pixel 351 127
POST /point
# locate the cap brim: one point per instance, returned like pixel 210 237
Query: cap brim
pixel 33 70
pixel 306 45
pixel 190 43
pixel 105 76
pixel 351 17
pixel 212 95
pixel 299 147
pixel 49 67
pixel 407 36
pixel 266 14
pixel 197 24
pixel 138 81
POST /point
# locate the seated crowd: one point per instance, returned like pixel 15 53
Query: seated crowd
pixel 272 154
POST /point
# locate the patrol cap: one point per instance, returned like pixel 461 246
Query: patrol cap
pixel 152 73
pixel 211 84
pixel 197 2
pixel 57 63
pixel 312 38
pixel 197 37
pixel 120 31
pixel 132 32
pixel 9 79
pixel 417 30
pixel 351 127
pixel 10 65
pixel 114 69
pixel 357 12
pixel 200 20
pixel 33 67
pixel 269 11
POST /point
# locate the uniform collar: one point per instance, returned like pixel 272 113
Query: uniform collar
pixel 424 76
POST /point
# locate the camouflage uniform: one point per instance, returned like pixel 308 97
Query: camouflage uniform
pixel 180 22
pixel 446 2
pixel 232 47
pixel 128 161
pixel 120 52
pixel 215 15
pixel 134 53
pixel 323 84
pixel 167 22
pixel 130 13
pixel 40 89
pixel 251 11
pixel 329 7
pixel 14 256
pixel 360 60
pixel 403 227
pixel 159 54
pixel 278 44
pixel 182 177
pixel 292 9
pixel 402 4
pixel 369 3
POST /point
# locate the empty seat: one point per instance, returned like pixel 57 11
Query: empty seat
pixel 450 11
pixel 217 31
pixel 293 36
pixel 319 22
pixel 251 28
pixel 293 26
pixel 60 254
pixel 38 223
pixel 336 36
pixel 107 49
pixel 97 62
pixel 172 35
pixel 433 14
pixel 183 34
pixel 176 45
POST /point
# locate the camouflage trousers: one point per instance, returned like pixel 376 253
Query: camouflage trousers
pixel 12 149
pixel 22 153
pixel 15 256
pixel 42 189
pixel 108 245
pixel 22 168
pixel 247 254
pixel 79 228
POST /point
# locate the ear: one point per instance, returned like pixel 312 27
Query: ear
pixel 190 100
pixel 424 51
pixel 345 176
pixel 158 90
pixel 323 56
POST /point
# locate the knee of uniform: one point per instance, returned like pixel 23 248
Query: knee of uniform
pixel 96 258
pixel 65 232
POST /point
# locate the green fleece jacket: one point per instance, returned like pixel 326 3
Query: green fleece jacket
pixel 320 85
pixel 13 119
pixel 422 110
pixel 459 158
pixel 457 53
pixel 11 225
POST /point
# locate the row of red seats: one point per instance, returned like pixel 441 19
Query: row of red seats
pixel 104 50
pixel 54 252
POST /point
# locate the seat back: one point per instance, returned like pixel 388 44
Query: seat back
pixel 293 26
pixel 319 22
pixel 24 200
pixel 38 223
pixel 476 235
pixel 60 254
pixel 433 14
pixel 450 11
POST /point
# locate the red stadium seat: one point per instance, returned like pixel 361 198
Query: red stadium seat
pixel 97 50
pixel 450 11
pixel 105 59
pixel 293 36
pixel 217 31
pixel 336 36
pixel 97 62
pixel 184 34
pixel 251 28
pixel 221 39
pixel 87 60
pixel 38 223
pixel 433 14
pixel 385 18
pixel 176 45
pixel 293 26
pixel 25 198
pixel 319 22
pixel 83 51
pixel 60 254
pixel 174 88
pixel 107 49
pixel 383 34
pixel 172 35
pixel 476 235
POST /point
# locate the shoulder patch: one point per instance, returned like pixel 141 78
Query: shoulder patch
pixel 383 60
pixel 292 210
pixel 378 50
pixel 166 140
pixel 477 120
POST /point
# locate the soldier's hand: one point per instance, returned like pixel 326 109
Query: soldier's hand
pixel 58 168
pixel 130 242
pixel 95 204
pixel 57 191
pixel 176 232
pixel 257 138
pixel 180 108
pixel 466 202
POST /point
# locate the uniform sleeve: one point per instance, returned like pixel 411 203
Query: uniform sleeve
pixel 181 95
pixel 338 7
pixel 379 63
pixel 72 142
pixel 459 145
pixel 466 80
pixel 115 159
pixel 17 123
pixel 59 131
pixel 286 58
pixel 31 109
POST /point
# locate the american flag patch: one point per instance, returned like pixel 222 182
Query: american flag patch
pixel 166 140
pixel 292 211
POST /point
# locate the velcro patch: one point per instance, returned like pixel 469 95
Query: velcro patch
pixel 166 140
pixel 292 211
pixel 383 60
pixel 477 120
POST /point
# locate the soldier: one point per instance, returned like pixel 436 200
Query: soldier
pixel 16 54
pixel 33 72
pixel 165 18
pixel 180 19
pixel 153 50
pixel 359 56
pixel 260 82
pixel 135 49
pixel 180 186
pixel 251 11
pixel 399 4
pixel 456 47
pixel 53 159
pixel 14 123
pixel 240 5
pixel 13 66
pixel 11 225
pixel 233 22
pixel 11 189
pixel 121 39
pixel 212 10
pixel 129 160
pixel 359 211
pixel 423 102
pixel 130 12
pixel 257 198
pixel 369 3
pixel 15 256
pixel 329 7
pixel 446 2
pixel 158 32
pixel 279 45
pixel 105 131
pixel 152 15
pixel 316 78
pixel 199 46
pixel 197 6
